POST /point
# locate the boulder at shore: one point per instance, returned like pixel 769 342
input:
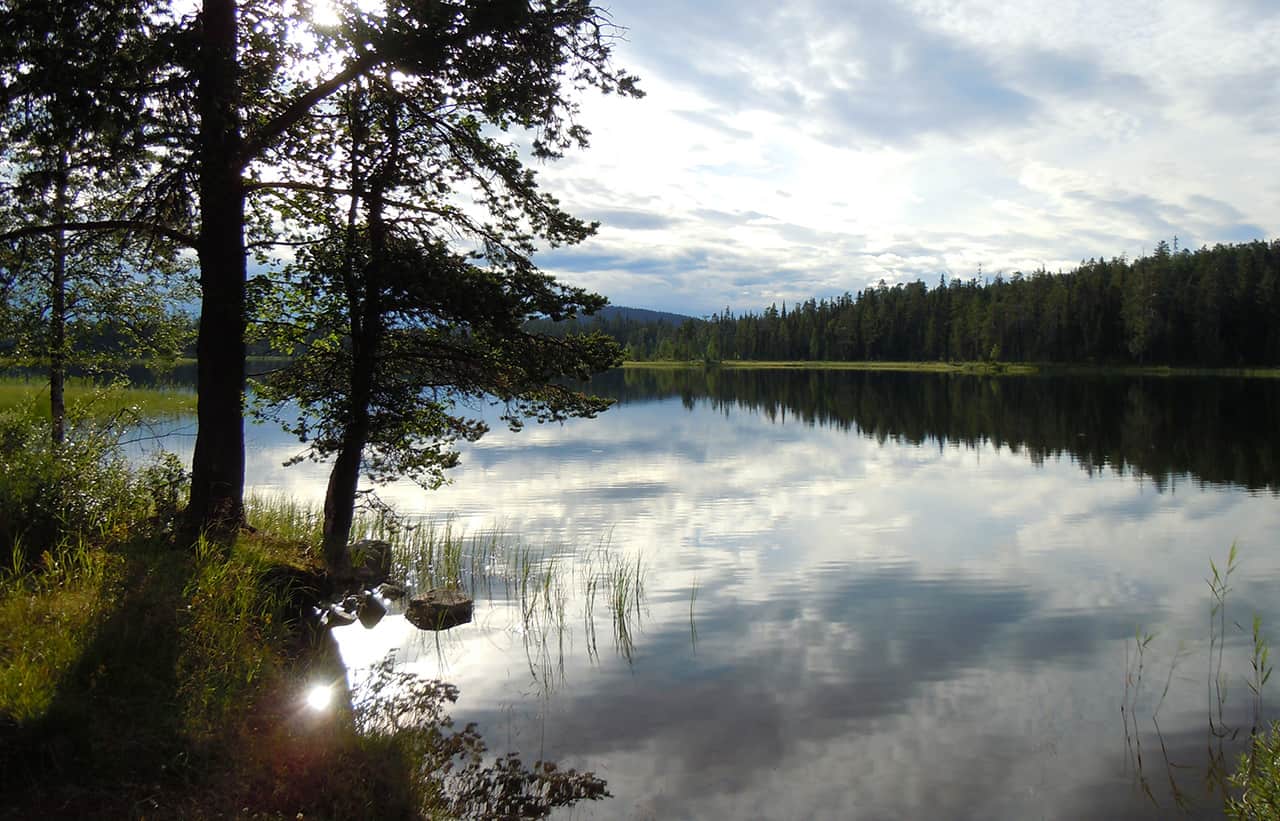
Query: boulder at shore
pixel 438 609
pixel 368 562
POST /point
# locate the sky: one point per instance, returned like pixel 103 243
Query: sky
pixel 810 148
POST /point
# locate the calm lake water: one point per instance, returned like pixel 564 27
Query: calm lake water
pixel 865 595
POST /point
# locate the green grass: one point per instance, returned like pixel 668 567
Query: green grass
pixel 1007 368
pixel 980 368
pixel 235 624
pixel 148 678
pixel 55 611
pixel 87 399
pixel 132 655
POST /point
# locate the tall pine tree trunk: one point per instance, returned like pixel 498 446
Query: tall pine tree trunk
pixel 217 466
pixel 58 309
pixel 366 342
pixel 344 479
pixel 364 301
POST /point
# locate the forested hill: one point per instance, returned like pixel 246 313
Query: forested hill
pixel 621 313
pixel 1216 306
pixel 612 315
pixel 618 321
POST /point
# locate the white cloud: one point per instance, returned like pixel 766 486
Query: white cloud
pixel 782 149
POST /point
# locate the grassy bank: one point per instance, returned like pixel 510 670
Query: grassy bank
pixel 979 368
pixel 144 676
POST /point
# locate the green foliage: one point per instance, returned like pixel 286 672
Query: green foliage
pixel 397 329
pixel 166 680
pixel 120 309
pixel 59 507
pixel 69 126
pixel 454 775
pixel 164 481
pixel 120 128
pixel 48 495
pixel 1257 777
pixel 452 337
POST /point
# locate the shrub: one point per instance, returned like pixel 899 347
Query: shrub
pixel 84 489
pixel 451 775
pixel 1258 776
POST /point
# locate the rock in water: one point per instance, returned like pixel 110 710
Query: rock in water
pixel 438 609
pixel 339 616
pixel 389 591
pixel 368 563
pixel 371 610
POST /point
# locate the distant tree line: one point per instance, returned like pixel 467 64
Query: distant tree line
pixel 1216 306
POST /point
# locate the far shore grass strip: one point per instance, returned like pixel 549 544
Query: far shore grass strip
pixel 98 401
pixel 923 367
pixel 992 368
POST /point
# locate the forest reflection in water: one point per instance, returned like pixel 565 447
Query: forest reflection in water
pixel 1216 429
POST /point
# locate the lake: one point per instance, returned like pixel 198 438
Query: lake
pixel 864 595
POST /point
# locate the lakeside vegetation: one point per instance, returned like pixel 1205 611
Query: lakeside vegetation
pixel 142 677
pixel 158 647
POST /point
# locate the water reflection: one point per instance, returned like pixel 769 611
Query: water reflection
pixel 914 593
pixel 1216 429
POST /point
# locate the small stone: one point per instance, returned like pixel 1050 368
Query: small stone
pixel 389 591
pixel 338 616
pixel 439 609
pixel 371 610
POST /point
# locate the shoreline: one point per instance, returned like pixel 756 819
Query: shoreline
pixel 974 368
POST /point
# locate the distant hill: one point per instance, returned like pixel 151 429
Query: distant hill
pixel 618 321
pixel 613 312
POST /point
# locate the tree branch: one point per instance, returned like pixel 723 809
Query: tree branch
pixel 260 185
pixel 258 142
pixel 284 243
pixel 140 226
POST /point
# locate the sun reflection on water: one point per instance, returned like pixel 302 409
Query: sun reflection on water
pixel 320 697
